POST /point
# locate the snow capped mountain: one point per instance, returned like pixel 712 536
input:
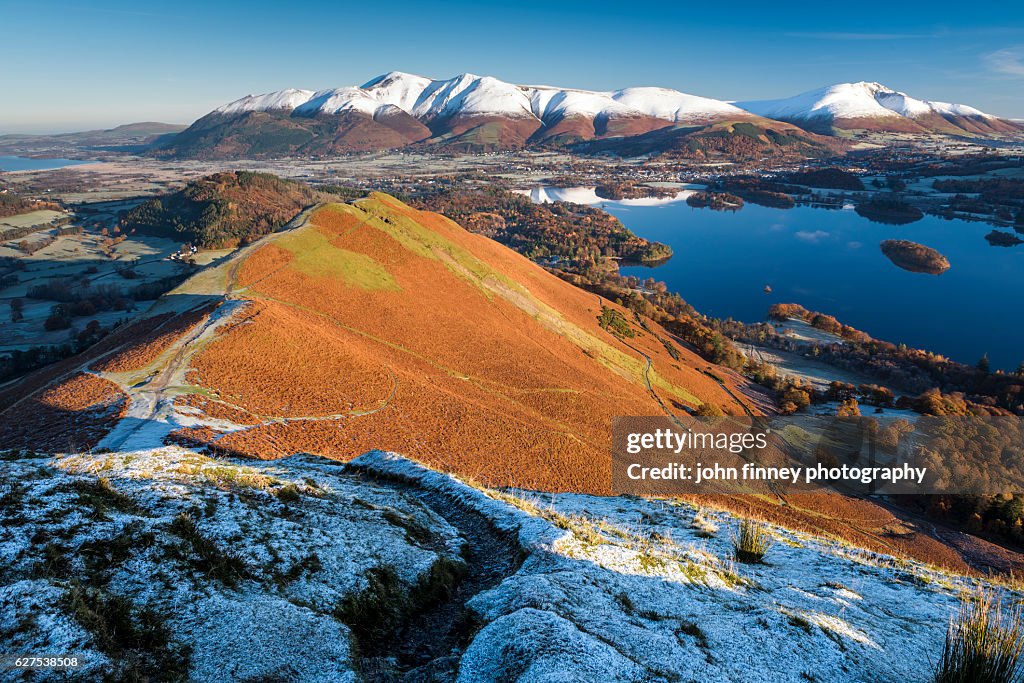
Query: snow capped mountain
pixel 282 99
pixel 584 114
pixel 472 95
pixel 875 106
pixel 845 100
pixel 471 113
pixel 672 105
pixel 338 100
pixel 469 95
pixel 400 89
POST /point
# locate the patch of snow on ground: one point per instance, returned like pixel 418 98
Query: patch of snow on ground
pixel 627 589
pixel 611 589
pixel 304 532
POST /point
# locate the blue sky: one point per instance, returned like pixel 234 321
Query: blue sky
pixel 76 64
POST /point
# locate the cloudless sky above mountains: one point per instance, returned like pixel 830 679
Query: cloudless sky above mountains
pixel 75 64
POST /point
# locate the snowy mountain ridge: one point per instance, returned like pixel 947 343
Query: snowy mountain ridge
pixel 469 94
pixel 863 100
pixel 474 114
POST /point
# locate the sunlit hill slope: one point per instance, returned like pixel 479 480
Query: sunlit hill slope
pixel 375 325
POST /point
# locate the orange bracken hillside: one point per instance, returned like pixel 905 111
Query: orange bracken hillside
pixel 379 326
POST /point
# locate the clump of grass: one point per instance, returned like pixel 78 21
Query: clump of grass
pixel 438 583
pixel 705 526
pixel 136 638
pixel 205 555
pixel 836 585
pixel 11 495
pixel 691 629
pixel 580 527
pixel 751 541
pixel 310 564
pixel 385 605
pixel 606 527
pixel 102 556
pixel 983 643
pixel 586 531
pixel 415 532
pixel 626 603
pixel 54 562
pixel 375 611
pixel 801 622
pixel 289 493
pixel 650 563
pixel 102 497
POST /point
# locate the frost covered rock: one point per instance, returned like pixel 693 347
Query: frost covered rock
pixel 170 564
pixel 220 570
pixel 535 645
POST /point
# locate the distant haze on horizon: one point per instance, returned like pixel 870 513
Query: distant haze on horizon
pixel 76 66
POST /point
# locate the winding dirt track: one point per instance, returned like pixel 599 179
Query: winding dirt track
pixel 151 401
pixel 152 414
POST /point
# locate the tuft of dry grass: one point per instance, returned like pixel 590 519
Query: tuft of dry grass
pixel 751 541
pixel 205 555
pixel 704 524
pixel 983 643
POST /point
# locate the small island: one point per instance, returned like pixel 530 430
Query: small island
pixel 617 191
pixel 915 257
pixel 716 201
pixel 999 238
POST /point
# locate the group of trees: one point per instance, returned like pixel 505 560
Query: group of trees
pixel 77 298
pixel 582 235
pixel 822 321
pixel 893 183
pixel 613 321
pixel 627 189
pixel 915 257
pixel 12 204
pixel 779 193
pixel 889 209
pixel 19 362
pixel 912 371
pixel 1001 198
pixel 791 393
pixel 717 201
pixel 222 210
pixel 759 190
pixel 653 300
pixel 979 462
pixel 869 394
pixel 826 178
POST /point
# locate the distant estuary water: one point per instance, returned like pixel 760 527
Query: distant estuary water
pixel 28 164
pixel 830 261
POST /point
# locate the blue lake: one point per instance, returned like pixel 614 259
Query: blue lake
pixel 8 163
pixel 830 261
